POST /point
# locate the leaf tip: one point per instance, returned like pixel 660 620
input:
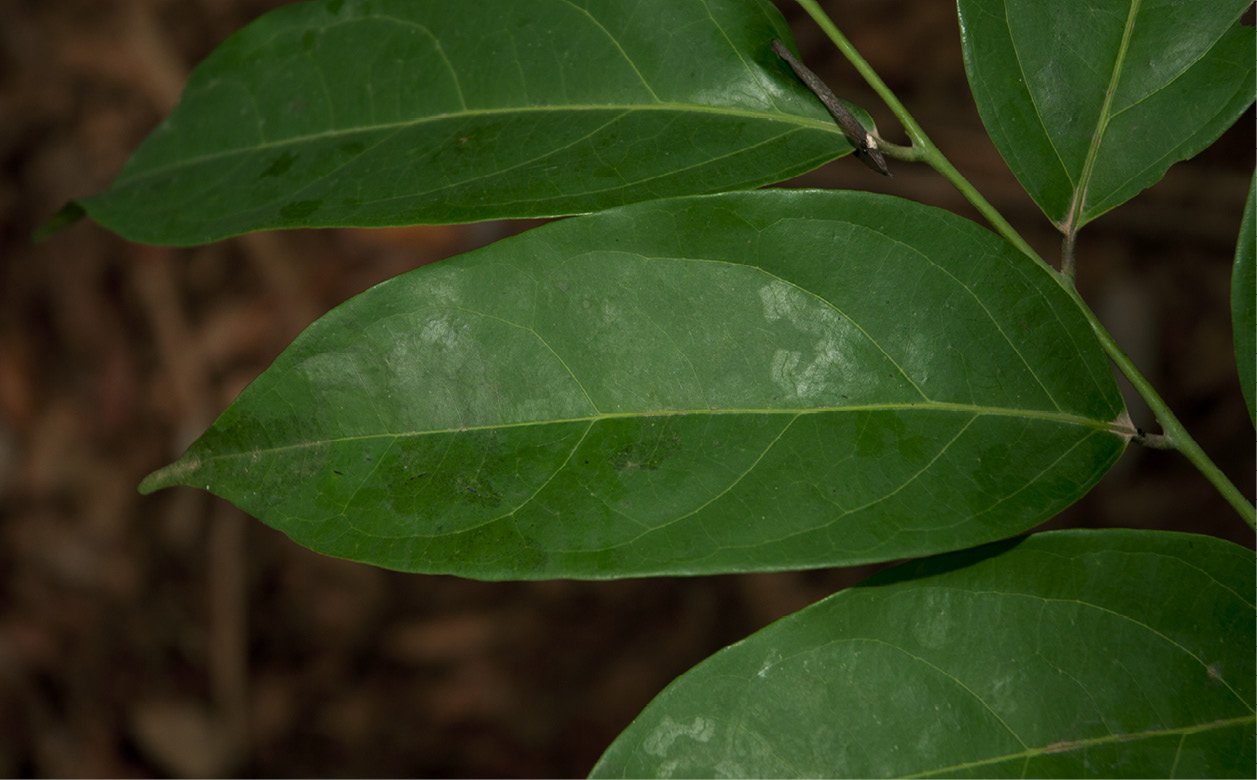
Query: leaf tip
pixel 168 476
pixel 68 214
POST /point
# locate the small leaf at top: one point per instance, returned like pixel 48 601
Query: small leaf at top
pixel 1111 653
pixel 392 112
pixel 1244 301
pixel 750 381
pixel 1091 102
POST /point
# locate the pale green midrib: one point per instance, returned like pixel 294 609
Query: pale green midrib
pixel 977 411
pixel 126 179
pixel 1079 204
pixel 1088 743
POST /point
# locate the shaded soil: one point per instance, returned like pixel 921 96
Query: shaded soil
pixel 171 635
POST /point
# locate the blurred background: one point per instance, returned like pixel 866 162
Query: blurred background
pixel 171 635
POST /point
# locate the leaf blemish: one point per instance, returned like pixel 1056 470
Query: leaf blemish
pixel 300 209
pixel 279 166
pixel 479 492
pixel 659 742
pixel 1061 747
pixel 644 455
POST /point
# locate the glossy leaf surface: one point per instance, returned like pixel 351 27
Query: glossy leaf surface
pixel 1067 654
pixel 1090 102
pixel 1244 301
pixel 767 380
pixel 391 112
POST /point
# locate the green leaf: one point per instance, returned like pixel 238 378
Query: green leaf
pixel 1244 301
pixel 750 381
pixel 391 112
pixel 1091 102
pixel 1110 653
pixel 68 214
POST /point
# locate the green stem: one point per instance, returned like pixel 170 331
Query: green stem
pixel 1176 436
pixel 923 149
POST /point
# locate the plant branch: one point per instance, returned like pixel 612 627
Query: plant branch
pixel 1174 436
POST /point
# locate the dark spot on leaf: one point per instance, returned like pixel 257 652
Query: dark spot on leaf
pixel 334 6
pixel 338 473
pixel 646 455
pixel 300 209
pixel 279 166
pixel 880 431
pixel 353 148
pixel 308 40
pixel 478 491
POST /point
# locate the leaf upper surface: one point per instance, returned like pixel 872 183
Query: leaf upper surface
pixel 1091 102
pixel 778 379
pixel 1109 653
pixel 390 112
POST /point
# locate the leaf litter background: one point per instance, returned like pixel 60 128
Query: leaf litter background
pixel 171 635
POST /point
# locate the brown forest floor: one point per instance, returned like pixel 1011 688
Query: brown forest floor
pixel 171 635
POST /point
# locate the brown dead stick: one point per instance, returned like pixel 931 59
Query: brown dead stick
pixel 865 143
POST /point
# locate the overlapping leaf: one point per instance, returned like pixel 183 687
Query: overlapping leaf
pixel 1244 301
pixel 389 112
pixel 1090 102
pixel 767 380
pixel 1066 654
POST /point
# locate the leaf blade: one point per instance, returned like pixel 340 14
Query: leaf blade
pixel 685 386
pixel 397 112
pixel 1091 103
pixel 1063 654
